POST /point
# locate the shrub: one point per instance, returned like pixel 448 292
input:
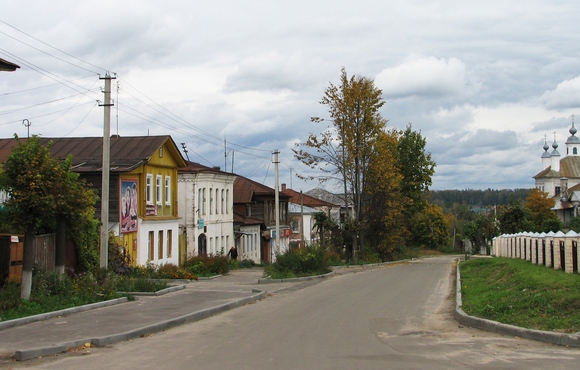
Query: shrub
pixel 207 265
pixel 300 262
pixel 170 271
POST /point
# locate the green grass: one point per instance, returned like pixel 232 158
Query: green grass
pixel 516 292
pixel 51 292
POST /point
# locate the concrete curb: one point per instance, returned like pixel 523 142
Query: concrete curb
pixel 22 355
pixel 67 311
pixel 332 273
pixel 561 339
pixel 157 293
pixel 294 280
pixel 373 264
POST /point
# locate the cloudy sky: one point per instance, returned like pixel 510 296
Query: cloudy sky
pixel 484 82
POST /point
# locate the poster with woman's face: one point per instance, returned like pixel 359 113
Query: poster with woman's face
pixel 128 206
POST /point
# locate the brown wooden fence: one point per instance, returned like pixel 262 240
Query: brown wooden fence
pixel 11 252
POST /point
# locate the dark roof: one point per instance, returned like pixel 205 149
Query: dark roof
pixel 127 153
pixel 245 189
pixel 7 66
pixel 307 200
pixel 194 167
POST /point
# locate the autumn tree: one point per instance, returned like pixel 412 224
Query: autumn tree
pixel 383 211
pixel 430 228
pixel 342 152
pixel 540 214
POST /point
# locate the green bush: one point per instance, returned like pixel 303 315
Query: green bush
pixel 207 265
pixel 299 262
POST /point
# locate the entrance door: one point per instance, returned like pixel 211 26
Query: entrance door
pixel 201 245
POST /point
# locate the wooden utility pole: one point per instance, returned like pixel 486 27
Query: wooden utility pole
pixel 106 167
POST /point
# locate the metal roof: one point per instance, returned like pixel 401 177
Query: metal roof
pixel 8 66
pixel 127 153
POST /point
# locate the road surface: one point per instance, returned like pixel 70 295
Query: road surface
pixel 390 317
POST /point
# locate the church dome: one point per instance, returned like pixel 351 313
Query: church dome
pixel 573 139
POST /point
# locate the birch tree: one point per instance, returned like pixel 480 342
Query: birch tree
pixel 343 150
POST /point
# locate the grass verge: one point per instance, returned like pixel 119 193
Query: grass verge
pixel 516 292
pixel 51 292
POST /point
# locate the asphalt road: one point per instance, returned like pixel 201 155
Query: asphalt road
pixel 392 317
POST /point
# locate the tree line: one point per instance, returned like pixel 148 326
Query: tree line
pixel 477 198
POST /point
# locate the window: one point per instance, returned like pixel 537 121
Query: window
pixel 228 201
pixel 149 189
pixel 217 201
pixel 557 190
pixel 169 242
pixel 167 190
pixel 295 226
pixel 151 243
pixel 575 151
pixel 160 244
pixel 222 199
pixel 203 202
pixel 161 152
pixel 210 201
pixel 199 198
pixel 158 189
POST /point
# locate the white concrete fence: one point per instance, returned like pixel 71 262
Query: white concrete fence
pixel 554 250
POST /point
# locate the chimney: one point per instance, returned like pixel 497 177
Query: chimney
pixel 283 187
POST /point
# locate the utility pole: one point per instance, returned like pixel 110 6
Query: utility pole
pixel 225 155
pixel 106 167
pixel 185 150
pixel 277 201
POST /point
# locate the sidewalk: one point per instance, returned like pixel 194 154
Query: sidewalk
pixel 146 315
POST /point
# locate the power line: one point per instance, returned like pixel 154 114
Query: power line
pixel 55 48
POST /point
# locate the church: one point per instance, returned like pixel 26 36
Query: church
pixel 560 176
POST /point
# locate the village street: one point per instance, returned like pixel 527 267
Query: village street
pixel 389 317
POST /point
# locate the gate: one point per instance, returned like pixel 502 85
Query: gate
pixel 562 256
pixel 544 252
pixel 574 256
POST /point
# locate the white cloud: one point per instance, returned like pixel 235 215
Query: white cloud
pixel 565 95
pixel 427 77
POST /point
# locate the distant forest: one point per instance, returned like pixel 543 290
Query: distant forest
pixel 481 198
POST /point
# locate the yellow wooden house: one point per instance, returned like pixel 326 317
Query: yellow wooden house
pixel 143 210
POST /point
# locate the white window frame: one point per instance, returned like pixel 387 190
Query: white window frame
pixel 158 189
pixel 149 189
pixel 167 190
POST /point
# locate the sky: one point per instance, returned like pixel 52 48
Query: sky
pixel 233 81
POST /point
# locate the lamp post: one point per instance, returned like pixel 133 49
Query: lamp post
pixel 27 124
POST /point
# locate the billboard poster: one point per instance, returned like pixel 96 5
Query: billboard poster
pixel 128 205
